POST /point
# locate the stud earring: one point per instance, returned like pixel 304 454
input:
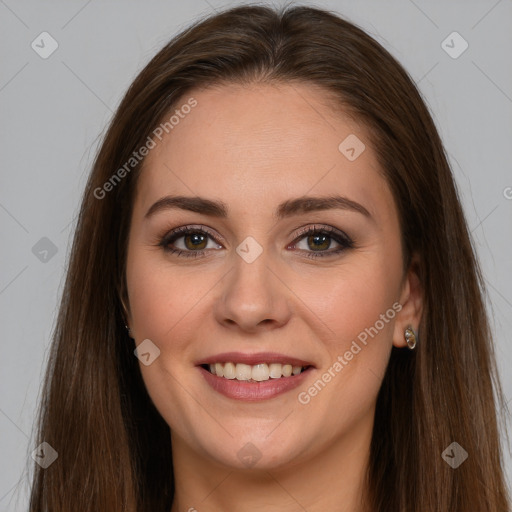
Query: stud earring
pixel 129 331
pixel 410 337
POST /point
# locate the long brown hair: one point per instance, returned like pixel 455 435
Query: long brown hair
pixel 114 447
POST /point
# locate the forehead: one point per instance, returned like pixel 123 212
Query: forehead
pixel 261 143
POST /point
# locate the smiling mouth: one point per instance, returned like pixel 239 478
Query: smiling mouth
pixel 254 373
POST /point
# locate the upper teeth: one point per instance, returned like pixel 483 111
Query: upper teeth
pixel 256 372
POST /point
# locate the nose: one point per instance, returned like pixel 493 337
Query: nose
pixel 253 297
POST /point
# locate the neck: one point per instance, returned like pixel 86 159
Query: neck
pixel 331 479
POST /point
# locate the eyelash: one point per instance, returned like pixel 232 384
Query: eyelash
pixel 341 238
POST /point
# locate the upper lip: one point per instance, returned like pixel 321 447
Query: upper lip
pixel 253 359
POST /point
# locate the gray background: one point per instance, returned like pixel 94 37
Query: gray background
pixel 53 111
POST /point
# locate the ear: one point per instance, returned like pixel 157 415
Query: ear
pixel 411 300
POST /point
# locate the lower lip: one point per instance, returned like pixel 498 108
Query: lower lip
pixel 253 391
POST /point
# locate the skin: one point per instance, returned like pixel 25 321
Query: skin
pixel 253 147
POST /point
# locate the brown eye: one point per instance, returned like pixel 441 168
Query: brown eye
pixel 322 241
pixel 189 241
pixel 319 242
pixel 195 241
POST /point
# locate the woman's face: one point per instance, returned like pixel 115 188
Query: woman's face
pixel 270 277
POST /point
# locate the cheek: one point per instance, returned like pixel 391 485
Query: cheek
pixel 160 307
pixel 349 300
pixel 358 303
pixel 357 307
pixel 145 289
pixel 161 298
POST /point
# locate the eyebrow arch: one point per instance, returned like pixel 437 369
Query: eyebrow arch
pixel 286 209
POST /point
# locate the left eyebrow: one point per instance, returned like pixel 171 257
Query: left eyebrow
pixel 310 204
pixel 286 209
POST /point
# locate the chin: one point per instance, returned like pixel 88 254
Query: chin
pixel 258 452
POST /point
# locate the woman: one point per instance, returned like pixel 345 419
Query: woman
pixel 271 227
